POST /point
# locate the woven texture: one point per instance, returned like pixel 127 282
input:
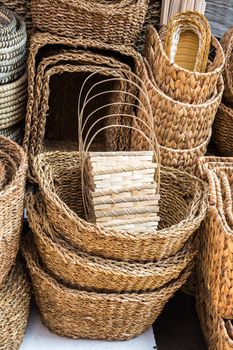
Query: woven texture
pixel 14 304
pixel 81 314
pixel 65 211
pixel 227 44
pixel 13 161
pixel 22 8
pixel 223 130
pixel 178 83
pixel 117 22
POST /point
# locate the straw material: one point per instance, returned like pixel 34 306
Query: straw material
pixel 117 22
pixel 64 206
pixel 187 41
pixel 91 272
pixel 14 161
pixel 78 313
pixel 15 133
pixel 14 305
pixel 22 8
pixel 178 83
pixel 227 44
pixel 223 130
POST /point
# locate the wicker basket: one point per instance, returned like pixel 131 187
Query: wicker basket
pixel 178 83
pixel 223 130
pixel 22 8
pixel 53 171
pixel 117 22
pixel 227 44
pixel 14 304
pixel 11 204
pixel 15 133
pixel 91 272
pixel 180 125
pixel 78 313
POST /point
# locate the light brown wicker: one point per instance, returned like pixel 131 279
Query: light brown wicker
pixel 227 44
pixel 11 203
pixel 78 313
pixel 64 208
pixel 178 83
pixel 22 8
pixel 223 130
pixel 91 272
pixel 14 305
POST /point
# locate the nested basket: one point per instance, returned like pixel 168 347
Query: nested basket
pixel 117 22
pixel 227 44
pixel 22 8
pixel 92 272
pixel 59 177
pixel 178 83
pixel 14 162
pixel 15 297
pixel 78 313
pixel 223 131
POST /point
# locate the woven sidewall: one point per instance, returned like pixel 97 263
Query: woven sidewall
pixel 22 8
pixel 14 304
pixel 227 44
pixel 81 314
pixel 114 23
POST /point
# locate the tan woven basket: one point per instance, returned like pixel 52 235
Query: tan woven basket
pixel 117 22
pixel 178 83
pixel 227 44
pixel 12 203
pixel 22 8
pixel 64 206
pixel 14 304
pixel 91 272
pixel 223 130
pixel 78 313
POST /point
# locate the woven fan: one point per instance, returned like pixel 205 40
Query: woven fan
pixel 187 41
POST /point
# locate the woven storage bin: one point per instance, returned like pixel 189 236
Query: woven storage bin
pixel 15 133
pixel 22 8
pixel 81 314
pixel 216 239
pixel 91 272
pixel 53 171
pixel 223 130
pixel 180 125
pixel 178 83
pixel 227 44
pixel 117 22
pixel 11 203
pixel 14 304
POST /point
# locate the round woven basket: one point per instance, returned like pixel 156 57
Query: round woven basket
pixel 14 304
pixel 12 89
pixel 64 208
pixel 81 314
pixel 223 130
pixel 227 44
pixel 12 203
pixel 22 8
pixel 117 22
pixel 14 133
pixel 91 272
pixel 178 83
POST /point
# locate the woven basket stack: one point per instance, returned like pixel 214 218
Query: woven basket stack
pixel 13 76
pixel 14 283
pixel 215 261
pixel 223 126
pixel 22 8
pixel 184 102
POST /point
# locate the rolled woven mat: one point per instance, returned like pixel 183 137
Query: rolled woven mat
pixel 14 304
pixel 78 313
pixel 223 130
pixel 227 44
pixel 65 211
pixel 111 22
pixel 178 83
pixel 22 8
pixel 187 40
pixel 91 272
pixel 14 161
pixel 12 45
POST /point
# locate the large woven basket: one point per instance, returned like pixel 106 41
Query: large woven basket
pixel 14 163
pixel 117 22
pixel 14 305
pixel 78 313
pixel 227 44
pixel 223 130
pixel 91 272
pixel 53 171
pixel 178 83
